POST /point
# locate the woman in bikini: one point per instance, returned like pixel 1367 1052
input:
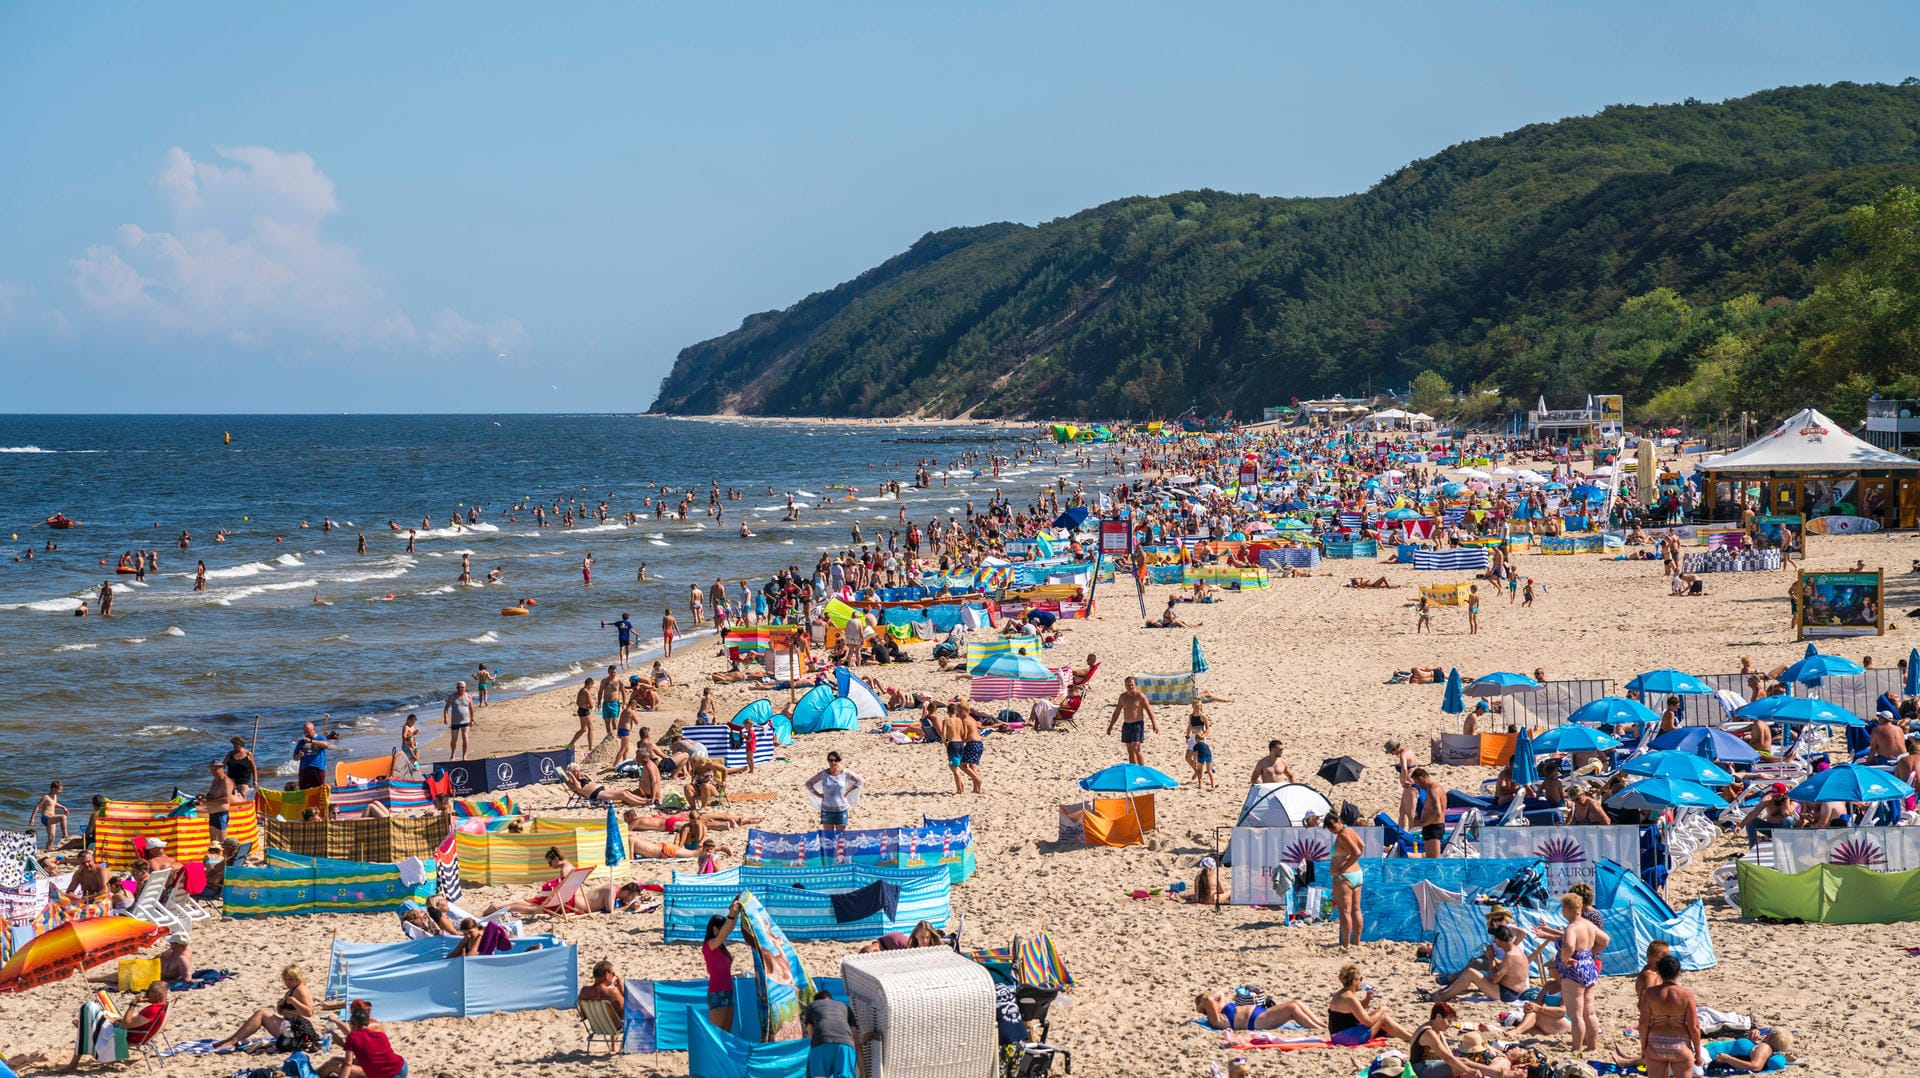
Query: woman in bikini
pixel 597 792
pixel 1579 973
pixel 1222 1012
pixel 1669 1024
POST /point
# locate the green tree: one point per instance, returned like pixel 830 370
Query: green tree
pixel 1867 304
pixel 1431 393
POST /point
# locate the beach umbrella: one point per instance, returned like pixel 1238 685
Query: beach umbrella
pixel 1573 737
pixel 1199 660
pixel 1340 769
pixel 1071 518
pixel 1128 779
pixel 1798 710
pixel 1716 745
pixel 1686 766
pixel 1451 490
pixel 1526 771
pixel 1669 682
pixel 1613 711
pixel 616 840
pixel 1012 677
pixel 1405 514
pixel 1501 683
pixel 61 952
pixel 1658 794
pixel 1554 486
pixel 1851 782
pixel 1912 687
pixel 1818 666
pixel 1587 492
pixel 1453 703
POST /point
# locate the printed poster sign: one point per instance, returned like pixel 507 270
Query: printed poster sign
pixel 1572 854
pixel 1839 604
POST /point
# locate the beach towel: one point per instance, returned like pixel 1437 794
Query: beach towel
pixel 1166 689
pixel 864 902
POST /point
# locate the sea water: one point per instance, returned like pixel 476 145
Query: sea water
pixel 294 624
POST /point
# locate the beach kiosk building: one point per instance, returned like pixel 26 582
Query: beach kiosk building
pixel 1810 465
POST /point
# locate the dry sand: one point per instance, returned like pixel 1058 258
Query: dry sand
pixel 1304 661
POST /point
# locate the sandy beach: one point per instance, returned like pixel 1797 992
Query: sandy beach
pixel 1305 661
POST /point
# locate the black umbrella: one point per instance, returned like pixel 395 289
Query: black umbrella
pixel 1341 769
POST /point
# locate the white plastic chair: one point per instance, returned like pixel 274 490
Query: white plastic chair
pixel 148 904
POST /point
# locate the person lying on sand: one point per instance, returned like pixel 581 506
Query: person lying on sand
pixel 601 897
pixel 587 789
pixel 1224 1010
pixel 1376 582
pixel 718 821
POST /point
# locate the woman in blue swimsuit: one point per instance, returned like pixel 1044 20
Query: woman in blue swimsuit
pixel 1222 1011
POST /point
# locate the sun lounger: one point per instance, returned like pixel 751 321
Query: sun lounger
pixel 150 903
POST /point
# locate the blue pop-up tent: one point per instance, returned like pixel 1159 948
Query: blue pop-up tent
pixel 867 703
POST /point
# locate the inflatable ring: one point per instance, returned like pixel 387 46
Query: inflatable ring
pixel 514 611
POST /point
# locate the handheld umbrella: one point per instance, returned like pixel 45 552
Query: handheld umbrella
pixel 1340 769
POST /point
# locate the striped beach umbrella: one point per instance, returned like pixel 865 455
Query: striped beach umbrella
pixel 64 951
pixel 1013 677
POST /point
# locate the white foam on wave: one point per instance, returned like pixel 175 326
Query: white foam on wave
pixel 288 559
pixel 252 568
pixel 656 535
pixel 76 647
pixel 252 590
pixel 540 681
pixel 337 638
pixel 444 589
pixel 48 606
pixel 136 640
pixel 173 630
pixel 25 449
pixel 805 494
pixel 488 637
pixel 611 526
pixel 658 542
pixel 159 729
pixel 361 578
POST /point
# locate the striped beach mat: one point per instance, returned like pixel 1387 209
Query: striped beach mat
pixel 1452 561
pixel 1165 689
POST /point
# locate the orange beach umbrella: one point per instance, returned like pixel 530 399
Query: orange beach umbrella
pixel 74 946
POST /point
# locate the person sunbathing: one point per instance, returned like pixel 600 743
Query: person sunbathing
pixel 1507 981
pixel 296 1002
pixel 1170 619
pixel 1376 582
pixel 598 792
pixel 1223 1011
pixel 440 916
pixel 606 897
pixel 469 945
pixel 1349 1023
pixel 1746 1054
pixel 607 986
pixel 923 935
pixel 719 821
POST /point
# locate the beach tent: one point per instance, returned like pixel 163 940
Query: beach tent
pixel 757 713
pixel 808 709
pixel 848 686
pixel 1281 804
pixel 414 979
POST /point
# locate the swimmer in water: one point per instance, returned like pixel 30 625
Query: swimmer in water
pixel 745 532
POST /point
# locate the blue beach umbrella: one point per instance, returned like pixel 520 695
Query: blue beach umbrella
pixel 1818 666
pixel 1613 711
pixel 1405 514
pixel 1128 779
pixel 1679 765
pixel 1587 492
pixel 1453 703
pixel 1525 771
pixel 1912 687
pixel 1199 660
pixel 1572 737
pixel 1453 490
pixel 1716 745
pixel 1798 710
pixel 1658 794
pixel 1501 683
pixel 1016 667
pixel 616 838
pixel 1851 782
pixel 1669 682
pixel 1071 518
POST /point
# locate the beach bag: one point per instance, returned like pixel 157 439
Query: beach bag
pixel 297 1035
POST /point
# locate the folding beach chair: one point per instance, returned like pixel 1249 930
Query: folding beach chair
pixel 557 900
pixel 1063 719
pixel 155 1046
pixel 150 903
pixel 601 1020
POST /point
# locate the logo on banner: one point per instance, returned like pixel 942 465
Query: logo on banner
pixel 504 772
pixel 459 777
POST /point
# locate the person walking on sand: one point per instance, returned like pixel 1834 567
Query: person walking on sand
pixel 53 815
pixel 953 732
pixel 610 700
pixel 972 749
pixel 1347 877
pixel 1273 767
pixel 457 713
pixel 1134 715
pixel 583 710
pixel 1425 622
pixel 1473 609
pixel 669 629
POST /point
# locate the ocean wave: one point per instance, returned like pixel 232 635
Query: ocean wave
pixel 252 568
pixel 540 681
pixel 158 729
pixel 449 533
pixel 76 647
pixel 361 578
pixel 656 535
pixel 173 630
pixel 608 527
pixel 49 606
pixel 488 637
pixel 25 449
pixel 252 590
pixel 444 589
pixel 336 638
pixel 132 640
pixel 288 559
pixel 658 542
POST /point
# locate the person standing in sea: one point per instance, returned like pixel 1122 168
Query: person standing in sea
pixel 457 713
pixel 106 598
pixel 669 629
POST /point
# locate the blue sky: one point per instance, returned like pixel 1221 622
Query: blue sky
pixel 477 207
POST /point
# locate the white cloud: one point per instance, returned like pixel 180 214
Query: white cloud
pixel 243 257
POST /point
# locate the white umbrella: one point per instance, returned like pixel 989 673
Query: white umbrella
pixel 1181 480
pixel 1503 470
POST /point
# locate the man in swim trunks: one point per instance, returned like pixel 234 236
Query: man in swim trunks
pixel 1134 715
pixel 311 750
pixel 972 749
pixel 1433 810
pixel 1273 767
pixel 610 700
pixel 1347 877
pixel 583 710
pixel 952 730
pixel 219 796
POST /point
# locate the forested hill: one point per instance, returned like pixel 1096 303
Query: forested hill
pixel 1642 249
